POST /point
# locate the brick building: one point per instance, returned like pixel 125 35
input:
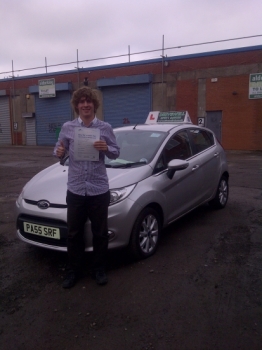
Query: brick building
pixel 214 87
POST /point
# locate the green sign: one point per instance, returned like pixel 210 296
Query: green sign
pixel 171 117
pixel 255 85
pixel 46 88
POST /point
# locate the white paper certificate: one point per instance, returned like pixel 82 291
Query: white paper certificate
pixel 83 144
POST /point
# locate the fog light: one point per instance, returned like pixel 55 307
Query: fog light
pixel 111 235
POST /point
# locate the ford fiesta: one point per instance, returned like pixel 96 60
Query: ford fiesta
pixel 166 168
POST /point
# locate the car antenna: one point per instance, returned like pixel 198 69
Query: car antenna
pixel 134 127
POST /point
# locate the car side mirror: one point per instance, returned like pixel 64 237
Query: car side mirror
pixel 175 165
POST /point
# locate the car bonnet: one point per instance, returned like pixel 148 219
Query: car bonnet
pixel 49 184
pixel 119 178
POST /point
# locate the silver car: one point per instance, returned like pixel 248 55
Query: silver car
pixel 166 168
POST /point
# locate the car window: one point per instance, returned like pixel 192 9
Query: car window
pixel 178 147
pixel 201 140
pixel 137 146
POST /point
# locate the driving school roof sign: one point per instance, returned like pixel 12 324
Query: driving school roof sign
pixel 174 117
pixel 46 88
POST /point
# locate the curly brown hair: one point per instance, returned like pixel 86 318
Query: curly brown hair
pixel 86 92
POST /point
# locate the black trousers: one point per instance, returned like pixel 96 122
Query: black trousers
pixel 79 209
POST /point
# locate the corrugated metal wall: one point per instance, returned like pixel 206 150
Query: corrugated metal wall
pixel 51 114
pixel 30 131
pixel 126 104
pixel 5 127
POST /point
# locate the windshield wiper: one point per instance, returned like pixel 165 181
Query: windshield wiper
pixel 128 165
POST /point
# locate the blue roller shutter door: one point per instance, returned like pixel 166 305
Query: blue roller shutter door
pixel 51 114
pixel 126 104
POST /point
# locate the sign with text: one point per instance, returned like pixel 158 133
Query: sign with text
pixel 46 88
pixel 84 144
pixel 156 117
pixel 171 117
pixel 255 86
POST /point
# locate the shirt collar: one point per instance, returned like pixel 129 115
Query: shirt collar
pixel 93 122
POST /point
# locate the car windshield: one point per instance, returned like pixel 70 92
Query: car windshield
pixel 137 147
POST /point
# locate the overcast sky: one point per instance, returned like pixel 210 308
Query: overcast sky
pixel 33 32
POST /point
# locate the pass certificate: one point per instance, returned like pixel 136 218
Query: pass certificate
pixel 83 144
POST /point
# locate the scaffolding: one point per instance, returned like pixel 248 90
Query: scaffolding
pixel 127 56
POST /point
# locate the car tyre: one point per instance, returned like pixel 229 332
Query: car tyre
pixel 220 200
pixel 145 234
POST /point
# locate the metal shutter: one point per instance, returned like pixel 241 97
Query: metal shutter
pixel 51 114
pixel 126 104
pixel 5 128
pixel 30 131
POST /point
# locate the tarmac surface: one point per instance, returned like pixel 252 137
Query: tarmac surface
pixel 201 290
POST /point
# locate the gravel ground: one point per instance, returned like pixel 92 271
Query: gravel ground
pixel 201 290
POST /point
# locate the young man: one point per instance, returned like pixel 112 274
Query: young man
pixel 87 189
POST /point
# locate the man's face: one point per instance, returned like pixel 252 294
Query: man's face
pixel 86 108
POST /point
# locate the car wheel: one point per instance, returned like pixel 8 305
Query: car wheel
pixel 145 234
pixel 220 200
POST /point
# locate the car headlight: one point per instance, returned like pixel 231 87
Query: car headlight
pixel 20 198
pixel 118 194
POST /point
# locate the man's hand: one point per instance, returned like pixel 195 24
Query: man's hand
pixel 60 151
pixel 100 145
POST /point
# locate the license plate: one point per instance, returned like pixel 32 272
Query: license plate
pixel 44 231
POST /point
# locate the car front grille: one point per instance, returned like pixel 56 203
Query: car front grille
pixel 52 205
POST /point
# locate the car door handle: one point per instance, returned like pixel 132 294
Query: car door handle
pixel 216 154
pixel 195 167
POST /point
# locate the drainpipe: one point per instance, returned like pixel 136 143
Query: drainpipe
pixel 163 48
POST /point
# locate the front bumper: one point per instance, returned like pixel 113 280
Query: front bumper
pixel 121 218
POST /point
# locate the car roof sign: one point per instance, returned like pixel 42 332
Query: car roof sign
pixel 172 117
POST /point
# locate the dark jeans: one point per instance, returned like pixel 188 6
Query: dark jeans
pixel 79 209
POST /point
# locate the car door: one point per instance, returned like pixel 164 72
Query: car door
pixel 181 193
pixel 207 157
